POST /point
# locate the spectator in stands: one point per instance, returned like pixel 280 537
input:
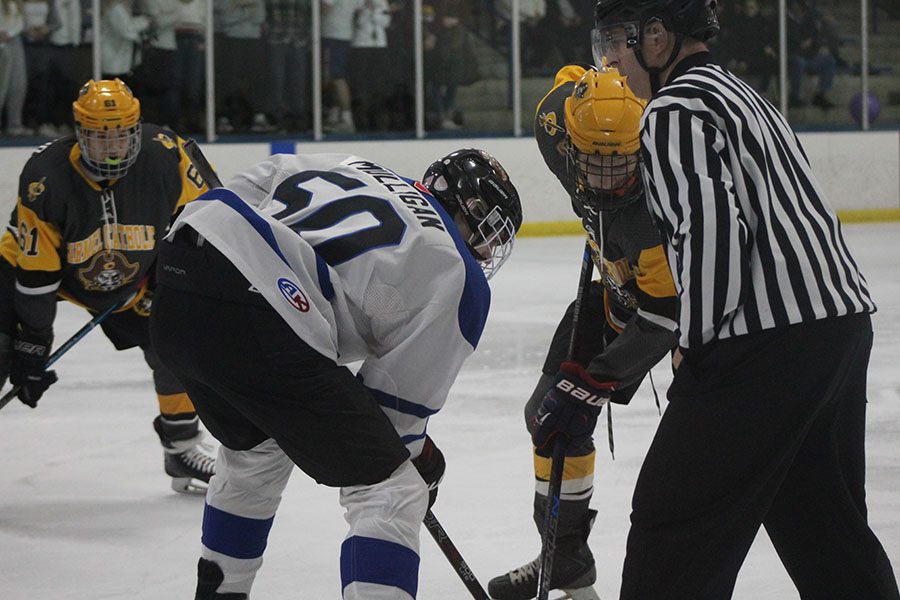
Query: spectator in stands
pixel 13 76
pixel 287 39
pixel 750 45
pixel 190 67
pixel 122 32
pixel 155 76
pixel 35 38
pixel 338 17
pixel 537 47
pixel 449 61
pixel 369 54
pixel 240 46
pixel 808 55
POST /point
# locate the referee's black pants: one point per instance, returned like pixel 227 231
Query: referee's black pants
pixel 766 428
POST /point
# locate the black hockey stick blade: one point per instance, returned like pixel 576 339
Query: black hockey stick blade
pixel 456 560
pixel 76 337
pixel 207 173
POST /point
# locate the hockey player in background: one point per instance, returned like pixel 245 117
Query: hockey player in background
pixel 269 286
pixel 587 129
pixel 90 210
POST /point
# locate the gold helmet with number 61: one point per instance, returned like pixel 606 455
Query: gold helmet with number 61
pixel 108 127
pixel 603 119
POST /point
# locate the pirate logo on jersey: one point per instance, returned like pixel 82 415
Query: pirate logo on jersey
pixel 109 270
pixel 36 188
pixel 165 140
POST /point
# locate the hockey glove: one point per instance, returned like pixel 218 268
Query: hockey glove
pixel 570 408
pixel 431 466
pixel 28 369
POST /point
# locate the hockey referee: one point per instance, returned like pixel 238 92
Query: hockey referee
pixel 766 416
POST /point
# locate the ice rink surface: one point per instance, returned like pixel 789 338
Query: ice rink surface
pixel 86 511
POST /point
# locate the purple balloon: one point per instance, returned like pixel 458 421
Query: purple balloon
pixel 856 108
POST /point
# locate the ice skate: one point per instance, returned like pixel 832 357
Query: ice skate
pixel 187 460
pixel 573 573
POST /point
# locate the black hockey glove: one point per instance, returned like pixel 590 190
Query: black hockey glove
pixel 431 465
pixel 570 408
pixel 28 368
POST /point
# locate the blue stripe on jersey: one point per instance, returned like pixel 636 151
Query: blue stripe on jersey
pixel 258 223
pixel 399 404
pixel 324 278
pixel 476 297
pixel 371 560
pixel 231 535
pixel 409 439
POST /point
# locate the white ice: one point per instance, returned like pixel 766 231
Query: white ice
pixel 86 511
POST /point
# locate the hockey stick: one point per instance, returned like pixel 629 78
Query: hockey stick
pixel 68 345
pixel 456 560
pixel 207 173
pixel 554 487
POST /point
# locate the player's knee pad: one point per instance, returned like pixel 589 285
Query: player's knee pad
pixel 250 483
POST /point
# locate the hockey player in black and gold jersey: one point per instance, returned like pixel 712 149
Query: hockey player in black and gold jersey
pixel 90 211
pixel 587 129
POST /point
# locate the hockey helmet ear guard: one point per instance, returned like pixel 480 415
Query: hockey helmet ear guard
pixel 475 189
pixel 108 127
pixel 602 118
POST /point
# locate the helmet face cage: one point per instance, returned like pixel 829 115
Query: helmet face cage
pixel 109 152
pixel 476 190
pixel 108 127
pixel 605 181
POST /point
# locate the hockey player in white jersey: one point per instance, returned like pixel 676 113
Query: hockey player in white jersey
pixel 303 264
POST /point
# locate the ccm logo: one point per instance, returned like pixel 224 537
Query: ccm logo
pixel 293 294
pixel 580 393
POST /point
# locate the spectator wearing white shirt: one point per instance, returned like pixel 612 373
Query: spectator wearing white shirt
pixel 121 32
pixel 370 55
pixel 13 77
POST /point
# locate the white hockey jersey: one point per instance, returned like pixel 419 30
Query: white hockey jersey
pixel 362 264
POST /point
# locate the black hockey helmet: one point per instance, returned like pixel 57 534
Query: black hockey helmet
pixel 693 18
pixel 475 189
pixel 621 24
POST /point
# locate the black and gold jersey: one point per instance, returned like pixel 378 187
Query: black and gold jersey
pixel 94 242
pixel 640 300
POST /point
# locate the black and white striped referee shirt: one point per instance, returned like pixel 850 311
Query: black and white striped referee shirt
pixel 751 240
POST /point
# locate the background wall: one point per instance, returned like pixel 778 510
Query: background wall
pixel 859 171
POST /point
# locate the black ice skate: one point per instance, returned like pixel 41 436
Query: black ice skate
pixel 574 572
pixel 209 578
pixel 187 461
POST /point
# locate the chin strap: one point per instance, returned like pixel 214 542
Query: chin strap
pixel 656 72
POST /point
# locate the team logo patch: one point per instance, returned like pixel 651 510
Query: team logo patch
pixel 36 188
pixel 293 294
pixel 547 120
pixel 165 140
pixel 109 270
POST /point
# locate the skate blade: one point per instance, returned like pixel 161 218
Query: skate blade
pixel 189 485
pixel 585 593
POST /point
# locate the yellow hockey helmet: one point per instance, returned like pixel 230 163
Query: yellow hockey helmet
pixel 108 126
pixel 603 119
